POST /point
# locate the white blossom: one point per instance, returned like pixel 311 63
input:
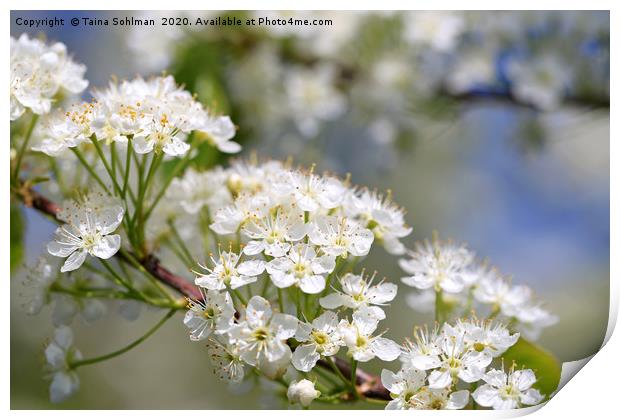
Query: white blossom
pixel 219 132
pixel 408 390
pixel 227 271
pixel 213 313
pixel 483 336
pixel 60 131
pixel 227 364
pixel 320 338
pixel 440 399
pixel 358 292
pixel 340 236
pixel 515 302
pixel 39 278
pixel 456 361
pixel 312 192
pixel 312 97
pixel 87 232
pixel 262 335
pixel 382 217
pixel 506 392
pixel 423 352
pixel 302 267
pixel 541 81
pixel 403 386
pixel 38 73
pixel 361 344
pixel 196 190
pixel 274 233
pixel 441 266
pixel 59 355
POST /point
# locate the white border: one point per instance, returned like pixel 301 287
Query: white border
pixel 591 393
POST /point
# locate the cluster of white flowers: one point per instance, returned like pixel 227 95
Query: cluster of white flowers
pixel 156 114
pixel 39 72
pixel 414 56
pixel 453 271
pixel 438 366
pixel 302 220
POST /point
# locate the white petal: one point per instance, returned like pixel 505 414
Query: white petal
pixel 391 381
pixel 258 311
pixel 107 246
pixel 312 284
pixel 523 379
pixel 305 357
pixel 531 397
pixel 251 268
pixel 485 395
pixel 333 301
pixel 74 261
pixel 385 349
pixel 382 293
pixel 285 325
pixel 439 379
pixel 63 385
pixel 458 400
pixel 253 248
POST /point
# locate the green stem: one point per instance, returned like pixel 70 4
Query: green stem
pixel 280 299
pixel 22 149
pixel 106 164
pixel 239 296
pixel 138 266
pixel 337 371
pixel 126 348
pixel 175 171
pixel 181 243
pixel 89 168
pixel 354 376
pixel 438 307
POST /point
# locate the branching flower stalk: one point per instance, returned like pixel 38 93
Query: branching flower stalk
pixel 295 237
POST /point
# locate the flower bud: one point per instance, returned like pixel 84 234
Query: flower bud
pixel 302 392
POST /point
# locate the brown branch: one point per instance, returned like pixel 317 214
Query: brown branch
pixel 368 385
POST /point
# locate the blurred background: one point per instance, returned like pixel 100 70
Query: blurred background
pixel 489 127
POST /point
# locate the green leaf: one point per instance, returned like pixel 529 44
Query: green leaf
pixel 17 237
pixel 544 364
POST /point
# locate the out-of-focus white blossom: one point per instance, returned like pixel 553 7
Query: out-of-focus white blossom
pixel 59 355
pixel 39 72
pixel 541 82
pixel 313 98
pixel 438 266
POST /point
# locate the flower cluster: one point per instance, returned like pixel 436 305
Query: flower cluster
pixel 302 220
pixel 39 72
pixel 156 114
pixel 438 366
pixel 451 271
pixel 295 235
